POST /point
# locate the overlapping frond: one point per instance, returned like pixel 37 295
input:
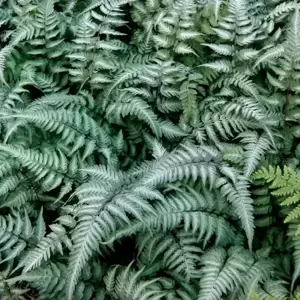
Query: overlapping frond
pixel 130 131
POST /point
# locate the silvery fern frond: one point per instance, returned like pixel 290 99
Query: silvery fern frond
pixel 49 244
pixel 129 134
pixel 222 271
pixel 126 283
pixel 49 280
pixel 256 147
pixel 195 209
pixel 179 252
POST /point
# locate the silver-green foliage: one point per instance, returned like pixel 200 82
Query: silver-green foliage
pixel 129 131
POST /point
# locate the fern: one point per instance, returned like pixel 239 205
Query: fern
pixel 180 252
pixel 50 243
pixel 188 97
pixel 136 139
pixel 221 270
pixel 127 284
pixel 256 147
pixel 283 184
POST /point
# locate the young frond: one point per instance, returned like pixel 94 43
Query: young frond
pixel 284 184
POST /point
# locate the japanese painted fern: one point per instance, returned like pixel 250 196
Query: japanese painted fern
pixel 130 131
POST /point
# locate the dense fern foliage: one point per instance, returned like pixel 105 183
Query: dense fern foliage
pixel 149 149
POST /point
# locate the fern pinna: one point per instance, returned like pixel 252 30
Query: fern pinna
pixel 148 149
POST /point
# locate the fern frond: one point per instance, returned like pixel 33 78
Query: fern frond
pixel 46 166
pixel 222 49
pixel 258 273
pixel 102 221
pixel 188 97
pixel 74 126
pixel 48 280
pixel 136 108
pixel 222 271
pixel 127 283
pixel 15 233
pixel 106 7
pixel 180 252
pixel 274 289
pixel 270 54
pixel 241 81
pixel 255 149
pixel 136 126
pixel 196 209
pixel 4 52
pixel 170 130
pixel 280 9
pixel 52 242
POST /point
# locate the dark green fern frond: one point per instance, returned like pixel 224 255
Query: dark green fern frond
pixel 284 185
